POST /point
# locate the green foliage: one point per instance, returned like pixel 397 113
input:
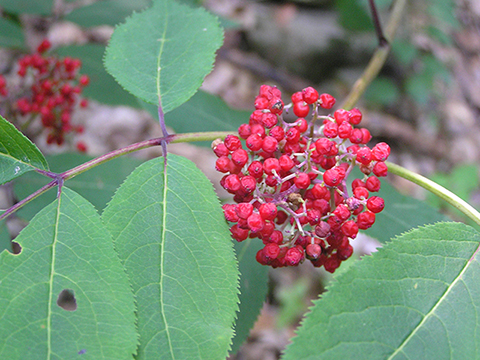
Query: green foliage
pixel 103 86
pixel 109 12
pixel 353 16
pixel 173 241
pixel 38 7
pixel 11 34
pixel 96 185
pixel 17 154
pixel 163 53
pixel 253 289
pixel 416 298
pixel 382 91
pixel 65 247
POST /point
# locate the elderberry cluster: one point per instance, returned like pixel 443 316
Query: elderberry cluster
pixel 49 88
pixel 289 183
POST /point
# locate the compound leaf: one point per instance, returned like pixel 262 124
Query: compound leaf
pixel 173 240
pixel 164 52
pixel 416 298
pixel 66 294
pixel 17 154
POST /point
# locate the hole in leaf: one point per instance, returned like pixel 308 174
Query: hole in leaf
pixel 16 248
pixel 66 300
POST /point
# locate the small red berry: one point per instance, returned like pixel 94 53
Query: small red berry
pixel 310 95
pixel 375 204
pixel 254 142
pixel 255 222
pixel 373 184
pixel 269 144
pixel 268 211
pixel 81 146
pixel 302 181
pixel 380 152
pixel 313 251
pixel 239 157
pixel 327 101
pixel 380 169
pixel 255 169
pixel 355 116
pixel 271 164
pixel 365 220
pixel 232 142
pixel 301 109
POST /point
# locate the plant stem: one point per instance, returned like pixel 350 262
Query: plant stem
pixel 60 178
pixel 436 189
pixel 378 58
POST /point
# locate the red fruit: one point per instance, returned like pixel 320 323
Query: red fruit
pixel 327 101
pixel 380 169
pixel 268 211
pixel 221 150
pixel 254 142
pixel 261 103
pixel 286 163
pixel 301 109
pixel 44 46
pixel 355 116
pixel 223 164
pixel 319 191
pixel 365 220
pixel 373 184
pixel 238 233
pixel 249 184
pixel 342 212
pixel 81 146
pixel 344 130
pixel 364 156
pixel 313 216
pixel 276 106
pixel 301 125
pixel 375 204
pixel 297 97
pixel 356 183
pixel 292 135
pixel 366 136
pixel 277 132
pixel 360 193
pixel 281 217
pixel 271 164
pixel 380 152
pixel 341 115
pixel 270 144
pixel 232 183
pixel 330 129
pixel 350 229
pixel 344 252
pixel 268 120
pixel 255 222
pixel 302 181
pixel 271 251
pixel 331 264
pixel 313 251
pixel 83 103
pixel 239 157
pixel 244 210
pixel 84 80
pixel 310 95
pixel 326 147
pixel 244 131
pixel 232 142
pixel 356 137
pixel 255 169
pixel 293 256
pixel 332 177
pixel 230 213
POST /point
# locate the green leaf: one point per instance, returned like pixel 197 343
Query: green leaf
pixel 65 250
pixel 103 86
pixel 253 289
pixel 5 241
pixel 109 12
pixel 11 34
pixel 173 240
pixel 352 15
pixel 164 52
pixel 405 51
pixel 416 298
pixel 39 7
pixel 382 91
pixel 97 185
pixel 17 154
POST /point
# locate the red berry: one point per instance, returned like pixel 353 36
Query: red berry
pixel 276 106
pixel 342 212
pixel 366 136
pixel 331 264
pixel 232 183
pixel 268 211
pixel 277 132
pixel 268 120
pixel 239 157
pixel 255 169
pixel 84 80
pixel 365 220
pixel 244 131
pixel 360 193
pixel 380 152
pixel 350 229
pixel 44 46
pixel 293 256
pixel 249 184
pixel 238 233
pixel 221 150
pixel 319 191
pixel 327 101
pixel 255 222
pixel 356 137
pixel 375 204
pixel 344 252
pixel 292 135
pixel 380 169
pixel 373 184
pixel 341 115
pixel 301 125
pixel 297 97
pixel 232 142
pixel 355 116
pixel 81 146
pixel 261 103
pixel 364 156
pixel 286 163
pixel 302 181
pixel 301 109
pixel 344 130
pixel 330 129
pixel 230 213
pixel 313 251
pixel 326 147
pixel 254 142
pixel 271 251
pixel 271 164
pixel 270 144
pixel 332 177
pixel 310 95
pixel 244 210
pixel 223 164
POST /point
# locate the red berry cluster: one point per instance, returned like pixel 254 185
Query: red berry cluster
pixel 289 183
pixel 49 88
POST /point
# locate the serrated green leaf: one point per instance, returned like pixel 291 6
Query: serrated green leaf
pixel 11 34
pixel 97 185
pixel 109 12
pixel 253 289
pixel 65 247
pixel 164 52
pixel 416 298
pixel 102 87
pixel 173 240
pixel 39 7
pixel 17 153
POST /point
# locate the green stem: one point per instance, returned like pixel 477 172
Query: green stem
pixel 436 189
